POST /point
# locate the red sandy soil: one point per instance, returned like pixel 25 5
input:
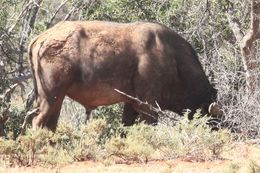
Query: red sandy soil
pixel 240 154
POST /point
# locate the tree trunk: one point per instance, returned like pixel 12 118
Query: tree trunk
pixel 246 43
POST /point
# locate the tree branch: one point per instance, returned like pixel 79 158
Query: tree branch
pixel 55 13
pixel 27 6
pixel 20 79
pixel 28 25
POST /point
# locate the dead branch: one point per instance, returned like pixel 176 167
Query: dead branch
pixel 79 6
pixel 8 92
pixel 69 14
pixel 26 119
pixel 139 102
pixel 28 25
pixel 146 105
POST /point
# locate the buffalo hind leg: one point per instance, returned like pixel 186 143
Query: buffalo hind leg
pixel 49 103
pixel 54 116
pixel 49 113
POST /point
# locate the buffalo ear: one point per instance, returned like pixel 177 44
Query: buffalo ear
pixel 215 109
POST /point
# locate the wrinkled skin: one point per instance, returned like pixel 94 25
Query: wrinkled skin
pixel 88 60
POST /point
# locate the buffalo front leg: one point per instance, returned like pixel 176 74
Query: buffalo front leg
pixel 129 115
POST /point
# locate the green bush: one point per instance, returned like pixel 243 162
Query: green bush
pixel 45 147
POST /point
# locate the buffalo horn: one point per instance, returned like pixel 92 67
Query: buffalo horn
pixel 215 109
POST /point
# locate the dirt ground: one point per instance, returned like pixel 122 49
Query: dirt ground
pixel 236 159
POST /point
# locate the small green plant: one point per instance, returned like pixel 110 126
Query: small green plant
pixel 231 168
pixel 112 115
pixel 252 167
pixel 13 124
pixel 135 147
pixel 89 144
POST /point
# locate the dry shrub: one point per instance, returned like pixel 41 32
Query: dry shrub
pixel 187 139
pixel 182 139
pixel 248 166
pixel 89 146
pixel 137 146
pixel 44 147
pixel 192 139
pixel 241 108
pixel 25 150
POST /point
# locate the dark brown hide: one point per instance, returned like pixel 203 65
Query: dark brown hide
pixel 88 60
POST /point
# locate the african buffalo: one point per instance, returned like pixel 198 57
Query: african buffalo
pixel 88 60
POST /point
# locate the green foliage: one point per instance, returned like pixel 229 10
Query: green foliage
pixel 112 115
pixel 13 124
pixel 45 147
pixel 133 10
